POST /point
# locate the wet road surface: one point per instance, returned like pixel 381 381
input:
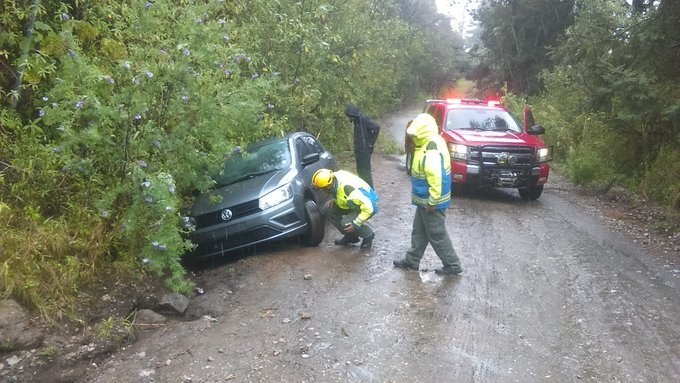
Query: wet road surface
pixel 548 294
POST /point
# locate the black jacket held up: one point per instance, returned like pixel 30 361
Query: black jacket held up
pixel 365 130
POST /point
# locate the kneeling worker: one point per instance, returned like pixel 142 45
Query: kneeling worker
pixel 353 203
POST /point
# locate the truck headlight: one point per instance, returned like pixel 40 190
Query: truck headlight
pixel 458 151
pixel 280 195
pixel 543 155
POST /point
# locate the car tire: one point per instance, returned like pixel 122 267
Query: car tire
pixel 315 225
pixel 531 193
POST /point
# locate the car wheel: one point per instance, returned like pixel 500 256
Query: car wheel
pixel 531 193
pixel 315 225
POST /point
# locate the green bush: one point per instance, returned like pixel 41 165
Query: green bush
pixel 660 180
pixel 584 167
pixel 123 109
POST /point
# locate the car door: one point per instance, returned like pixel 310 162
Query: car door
pixel 307 145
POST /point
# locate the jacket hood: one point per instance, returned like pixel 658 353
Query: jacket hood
pixel 352 111
pixel 422 127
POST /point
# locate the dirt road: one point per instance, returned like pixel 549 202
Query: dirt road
pixel 548 294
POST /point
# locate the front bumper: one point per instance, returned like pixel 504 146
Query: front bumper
pixel 282 221
pixel 490 166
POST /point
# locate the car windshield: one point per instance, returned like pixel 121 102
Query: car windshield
pixel 481 119
pixel 260 158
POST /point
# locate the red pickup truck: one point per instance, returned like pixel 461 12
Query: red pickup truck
pixel 489 147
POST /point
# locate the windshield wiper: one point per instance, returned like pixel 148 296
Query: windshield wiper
pixel 246 177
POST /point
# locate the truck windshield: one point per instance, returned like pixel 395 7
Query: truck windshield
pixel 481 119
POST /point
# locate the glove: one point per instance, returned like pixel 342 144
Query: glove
pixel 349 229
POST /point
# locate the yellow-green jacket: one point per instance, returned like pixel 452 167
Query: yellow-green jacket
pixel 431 171
pixel 353 193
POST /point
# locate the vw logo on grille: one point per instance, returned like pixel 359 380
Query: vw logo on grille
pixel 226 215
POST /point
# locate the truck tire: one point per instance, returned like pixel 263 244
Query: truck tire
pixel 531 193
pixel 462 190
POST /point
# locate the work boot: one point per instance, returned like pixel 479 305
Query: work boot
pixel 347 240
pixel 403 264
pixel 448 270
pixel 367 242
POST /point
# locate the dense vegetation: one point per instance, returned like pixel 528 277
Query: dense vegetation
pixel 114 112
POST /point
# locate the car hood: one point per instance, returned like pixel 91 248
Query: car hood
pixel 240 192
pixel 475 137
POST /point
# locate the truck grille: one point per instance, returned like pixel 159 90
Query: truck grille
pixel 237 211
pixel 503 166
pixel 504 157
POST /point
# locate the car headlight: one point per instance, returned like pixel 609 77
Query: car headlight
pixel 280 195
pixel 543 154
pixel 188 224
pixel 458 151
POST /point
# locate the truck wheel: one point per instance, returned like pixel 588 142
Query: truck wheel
pixel 315 225
pixel 531 193
pixel 457 189
pixel 461 190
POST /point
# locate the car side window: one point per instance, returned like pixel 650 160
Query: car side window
pixel 302 148
pixel 314 145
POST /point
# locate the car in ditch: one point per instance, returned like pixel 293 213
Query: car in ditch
pixel 263 193
pixel 489 147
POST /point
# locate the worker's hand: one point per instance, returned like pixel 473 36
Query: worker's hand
pixel 329 204
pixel 430 209
pixel 349 229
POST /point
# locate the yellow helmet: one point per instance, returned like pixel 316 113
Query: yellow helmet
pixel 322 178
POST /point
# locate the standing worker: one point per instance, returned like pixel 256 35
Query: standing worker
pixel 353 203
pixel 365 135
pixel 431 193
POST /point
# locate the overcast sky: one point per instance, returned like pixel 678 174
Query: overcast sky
pixel 458 11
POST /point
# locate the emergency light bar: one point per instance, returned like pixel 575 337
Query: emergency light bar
pixel 471 101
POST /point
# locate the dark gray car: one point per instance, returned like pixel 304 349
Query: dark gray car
pixel 264 193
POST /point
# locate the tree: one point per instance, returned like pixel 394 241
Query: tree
pixel 517 36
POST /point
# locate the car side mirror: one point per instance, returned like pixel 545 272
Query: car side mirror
pixel 536 130
pixel 310 159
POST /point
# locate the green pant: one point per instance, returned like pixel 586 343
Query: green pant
pixel 340 217
pixel 364 166
pixel 430 228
